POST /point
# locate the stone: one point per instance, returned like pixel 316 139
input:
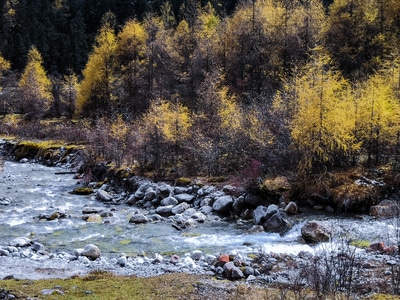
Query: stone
pixel 21 242
pixel 188 198
pixel 93 218
pixel 291 208
pixel 37 247
pixel 91 251
pixel 122 261
pixel 180 208
pixel 138 219
pixel 223 204
pixel 199 217
pixel 259 214
pixel 196 254
pixel 188 261
pixel 139 194
pixel 253 200
pixel 92 210
pixel 385 209
pixel 232 272
pixel 150 194
pixel 278 222
pixel 164 210
pixel 175 259
pixel 230 190
pixel 169 201
pixel 5 201
pixel 206 210
pixel 103 196
pixel 315 232
pixel 238 204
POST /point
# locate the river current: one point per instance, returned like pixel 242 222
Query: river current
pixel 30 190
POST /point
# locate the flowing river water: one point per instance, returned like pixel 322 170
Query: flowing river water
pixel 29 190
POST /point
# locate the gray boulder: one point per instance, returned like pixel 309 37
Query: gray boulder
pixel 180 208
pixel 315 232
pixel 150 194
pixel 103 196
pixel 164 210
pixel 291 208
pixel 232 272
pixel 277 222
pixel 91 251
pixel 138 219
pixel 184 198
pixel 259 214
pixel 169 201
pixel 223 204
pixel 21 242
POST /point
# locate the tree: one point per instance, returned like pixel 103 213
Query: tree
pixel 378 117
pixel 131 54
pixel 4 65
pixel 35 86
pixel 96 94
pixel 165 127
pixel 322 123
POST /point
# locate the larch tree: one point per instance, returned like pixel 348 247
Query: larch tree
pixel 131 54
pixel 35 86
pixel 322 122
pixel 4 66
pixel 378 117
pixel 165 127
pixel 97 94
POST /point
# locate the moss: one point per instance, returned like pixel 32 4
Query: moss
pixel 82 191
pixel 42 149
pixel 360 243
pixel 217 179
pixel 183 181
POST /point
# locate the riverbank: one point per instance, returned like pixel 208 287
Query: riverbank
pixel 362 271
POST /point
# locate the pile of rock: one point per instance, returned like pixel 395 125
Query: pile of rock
pixel 185 206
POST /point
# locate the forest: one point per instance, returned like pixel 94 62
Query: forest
pixel 207 88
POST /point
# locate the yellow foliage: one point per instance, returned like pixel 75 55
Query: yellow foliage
pixel 34 84
pixel 132 39
pixel 99 72
pixel 229 111
pixel 171 120
pixel 323 121
pixel 4 64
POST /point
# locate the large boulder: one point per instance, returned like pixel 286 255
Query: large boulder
pixel 103 196
pixel 184 198
pixel 91 251
pixel 315 232
pixel 385 209
pixel 180 208
pixel 277 221
pixel 223 204
pixel 169 201
pixel 259 214
pixel 271 218
pixel 138 219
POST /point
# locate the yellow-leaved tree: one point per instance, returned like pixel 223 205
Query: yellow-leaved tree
pixel 165 127
pixel 4 64
pixel 96 93
pixel 131 53
pixel 378 116
pixel 35 86
pixel 323 116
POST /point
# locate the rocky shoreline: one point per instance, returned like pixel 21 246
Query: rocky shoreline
pixel 373 269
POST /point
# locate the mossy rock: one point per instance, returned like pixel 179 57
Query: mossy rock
pixel 82 191
pixel 183 181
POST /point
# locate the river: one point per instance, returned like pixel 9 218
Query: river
pixel 29 190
